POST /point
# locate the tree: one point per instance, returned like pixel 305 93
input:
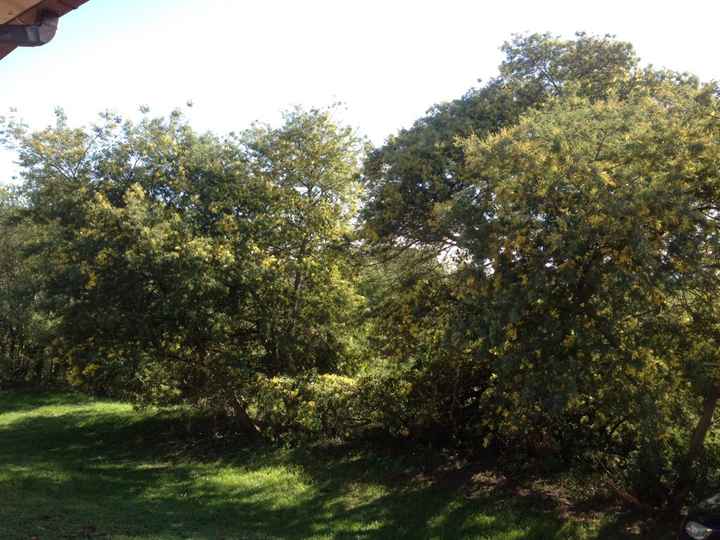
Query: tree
pixel 575 194
pixel 423 167
pixel 311 168
pixel 180 264
pixel 20 325
pixel 590 233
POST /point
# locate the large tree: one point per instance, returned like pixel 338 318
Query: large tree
pixel 424 166
pixel 589 235
pixel 577 196
pixel 179 263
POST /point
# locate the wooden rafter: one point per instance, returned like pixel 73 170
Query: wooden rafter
pixel 29 11
pixel 10 9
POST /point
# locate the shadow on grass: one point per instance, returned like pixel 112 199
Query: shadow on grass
pixel 633 525
pixel 94 473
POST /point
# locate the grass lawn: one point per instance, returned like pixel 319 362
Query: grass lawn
pixel 71 467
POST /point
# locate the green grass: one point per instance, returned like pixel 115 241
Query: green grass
pixel 71 467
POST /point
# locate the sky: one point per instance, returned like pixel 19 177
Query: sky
pixel 243 60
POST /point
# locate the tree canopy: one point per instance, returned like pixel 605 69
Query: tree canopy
pixel 531 267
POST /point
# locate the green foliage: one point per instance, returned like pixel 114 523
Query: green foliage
pixel 588 222
pixel 594 226
pixel 578 211
pixel 22 325
pixel 180 261
pixel 532 267
pixel 322 406
pixel 416 172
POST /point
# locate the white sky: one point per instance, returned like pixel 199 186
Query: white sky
pixel 388 61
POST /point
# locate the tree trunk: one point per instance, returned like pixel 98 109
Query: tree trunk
pixel 695 450
pixel 243 416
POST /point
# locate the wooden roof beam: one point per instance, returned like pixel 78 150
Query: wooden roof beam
pixel 35 16
pixel 10 9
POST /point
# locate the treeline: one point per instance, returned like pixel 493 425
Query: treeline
pixel 532 267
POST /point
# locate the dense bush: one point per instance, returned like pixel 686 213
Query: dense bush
pixel 531 267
